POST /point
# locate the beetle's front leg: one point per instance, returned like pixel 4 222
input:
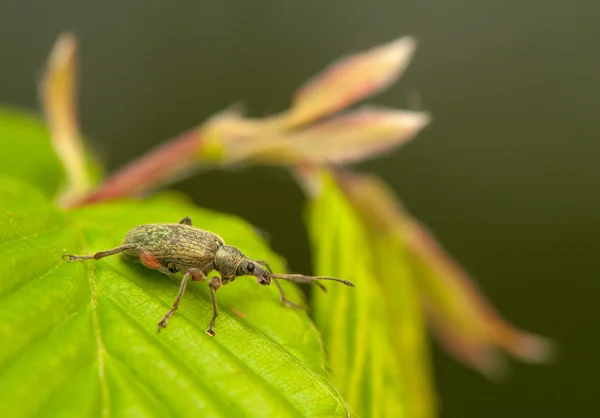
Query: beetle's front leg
pixel 195 275
pixel 213 285
pixel 282 297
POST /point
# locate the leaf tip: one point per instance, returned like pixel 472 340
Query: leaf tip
pixel 64 51
pixel 350 79
pixel 535 349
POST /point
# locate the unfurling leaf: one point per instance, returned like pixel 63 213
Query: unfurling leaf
pixel 464 321
pixel 355 136
pixel 286 138
pixel 167 162
pixel 58 96
pixel 350 80
pixel 375 335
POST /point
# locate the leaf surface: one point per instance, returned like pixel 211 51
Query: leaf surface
pixel 375 335
pixel 80 339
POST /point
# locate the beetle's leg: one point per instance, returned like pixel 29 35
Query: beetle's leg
pixel 282 296
pixel 193 274
pixel 100 254
pixel 213 285
pixel 145 257
pixel 197 275
pixel 186 221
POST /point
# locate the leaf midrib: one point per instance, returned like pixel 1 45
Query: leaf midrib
pixel 101 350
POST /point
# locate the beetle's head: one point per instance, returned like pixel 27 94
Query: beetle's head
pixel 231 262
pixel 248 267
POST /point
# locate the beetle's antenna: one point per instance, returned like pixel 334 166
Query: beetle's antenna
pixel 300 278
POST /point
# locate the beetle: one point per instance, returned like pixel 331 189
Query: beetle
pixel 181 247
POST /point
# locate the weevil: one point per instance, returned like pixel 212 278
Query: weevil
pixel 181 247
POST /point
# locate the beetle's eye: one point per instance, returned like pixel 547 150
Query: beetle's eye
pixel 250 267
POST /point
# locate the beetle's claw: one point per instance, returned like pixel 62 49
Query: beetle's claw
pixel 70 257
pixel 291 304
pixel 162 324
pixel 210 332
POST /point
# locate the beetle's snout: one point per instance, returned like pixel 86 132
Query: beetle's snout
pixel 264 278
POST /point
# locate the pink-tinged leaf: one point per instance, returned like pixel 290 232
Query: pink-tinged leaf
pixel 351 79
pixel 177 157
pixel 355 136
pixel 463 319
pixel 471 352
pixel 229 138
pixel 173 159
pixel 58 90
pixel 457 301
pixel 166 163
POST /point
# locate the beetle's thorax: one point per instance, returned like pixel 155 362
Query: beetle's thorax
pixel 227 260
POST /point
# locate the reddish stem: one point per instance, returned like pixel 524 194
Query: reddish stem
pixel 162 164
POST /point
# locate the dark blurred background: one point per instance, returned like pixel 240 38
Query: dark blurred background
pixel 506 175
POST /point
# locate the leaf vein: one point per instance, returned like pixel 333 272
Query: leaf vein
pixel 139 326
pixel 101 351
pixel 148 388
pixel 31 345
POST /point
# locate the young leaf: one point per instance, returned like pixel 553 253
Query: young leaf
pixel 80 339
pixel 464 321
pixel 350 137
pixel 287 138
pixel 351 79
pixel 375 335
pixel 57 90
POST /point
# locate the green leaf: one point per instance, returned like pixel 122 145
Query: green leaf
pixel 26 151
pixel 79 339
pixel 374 335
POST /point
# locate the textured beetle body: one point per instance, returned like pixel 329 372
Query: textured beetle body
pixel 178 247
pixel 169 248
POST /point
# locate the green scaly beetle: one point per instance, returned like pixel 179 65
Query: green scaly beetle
pixel 181 247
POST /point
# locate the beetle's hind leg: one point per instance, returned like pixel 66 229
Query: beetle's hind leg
pixel 101 254
pixel 70 257
pixel 145 257
pixel 186 221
